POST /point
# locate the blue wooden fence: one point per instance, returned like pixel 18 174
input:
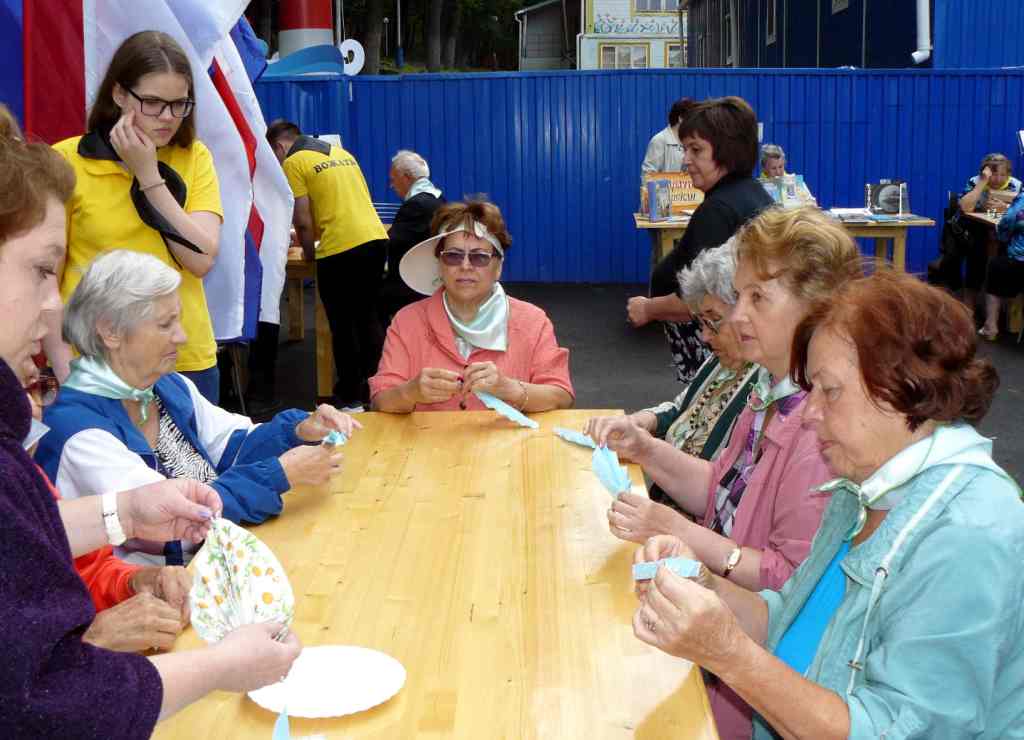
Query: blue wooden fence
pixel 560 152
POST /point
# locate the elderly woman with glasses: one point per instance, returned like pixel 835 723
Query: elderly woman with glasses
pixel 145 182
pixel 700 419
pixel 904 621
pixel 124 417
pixel 468 336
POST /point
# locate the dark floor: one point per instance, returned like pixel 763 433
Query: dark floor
pixel 616 366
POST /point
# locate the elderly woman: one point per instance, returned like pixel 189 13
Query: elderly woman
pixel 790 193
pixel 905 620
pixel 699 420
pixel 719 139
pixel 773 161
pixel 468 335
pixel 125 416
pixel 1005 272
pixel 756 511
pixel 53 684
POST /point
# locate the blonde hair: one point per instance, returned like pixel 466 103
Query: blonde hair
pixel 810 253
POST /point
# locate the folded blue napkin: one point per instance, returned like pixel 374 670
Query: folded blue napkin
pixel 495 403
pixel 577 438
pixel 335 438
pixel 683 567
pixel 612 475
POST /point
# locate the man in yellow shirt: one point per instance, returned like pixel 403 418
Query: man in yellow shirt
pixel 332 204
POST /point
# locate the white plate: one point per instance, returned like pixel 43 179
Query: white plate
pixel 333 680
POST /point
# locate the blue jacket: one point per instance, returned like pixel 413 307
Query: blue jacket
pixel 932 613
pixel 250 478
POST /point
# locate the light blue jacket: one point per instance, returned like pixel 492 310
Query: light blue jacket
pixel 943 644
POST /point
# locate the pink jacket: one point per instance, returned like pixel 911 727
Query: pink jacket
pixel 778 514
pixel 421 336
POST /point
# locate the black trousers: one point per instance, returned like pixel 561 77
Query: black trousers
pixel 349 285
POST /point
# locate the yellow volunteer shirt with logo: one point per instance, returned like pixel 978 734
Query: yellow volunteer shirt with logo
pixel 338 199
pixel 101 217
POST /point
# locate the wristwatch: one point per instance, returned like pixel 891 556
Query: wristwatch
pixel 732 561
pixel 112 523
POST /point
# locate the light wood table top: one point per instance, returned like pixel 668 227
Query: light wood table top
pixel 477 554
pixel 884 232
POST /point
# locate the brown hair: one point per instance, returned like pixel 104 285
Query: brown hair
pixel 730 125
pixel 143 53
pixel 482 211
pixel 679 110
pixel 813 255
pixel 915 345
pixel 281 127
pixel 995 159
pixel 30 174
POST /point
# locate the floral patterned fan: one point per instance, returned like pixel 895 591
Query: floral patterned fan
pixel 237 581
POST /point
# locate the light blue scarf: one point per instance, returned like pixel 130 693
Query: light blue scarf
pixel 764 394
pixel 487 330
pixel 423 185
pixel 93 375
pixel 956 444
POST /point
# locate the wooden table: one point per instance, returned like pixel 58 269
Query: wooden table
pixel 296 273
pixel 885 232
pixel 478 554
pixel 667 233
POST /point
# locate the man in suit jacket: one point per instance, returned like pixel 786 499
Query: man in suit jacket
pixel 410 179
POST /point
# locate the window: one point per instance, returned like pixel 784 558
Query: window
pixel 655 6
pixel 727 30
pixel 675 55
pixel 838 5
pixel 624 56
pixel 769 23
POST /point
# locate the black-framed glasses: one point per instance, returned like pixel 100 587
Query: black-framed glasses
pixel 155 107
pixel 455 257
pixel 711 326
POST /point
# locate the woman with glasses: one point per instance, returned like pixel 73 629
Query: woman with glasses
pixel 699 420
pixel 468 335
pixel 146 183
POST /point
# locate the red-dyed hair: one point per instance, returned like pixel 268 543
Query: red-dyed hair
pixel 915 344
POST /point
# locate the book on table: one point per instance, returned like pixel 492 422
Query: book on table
pixel 683 196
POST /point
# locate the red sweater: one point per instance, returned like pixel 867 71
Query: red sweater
pixel 108 578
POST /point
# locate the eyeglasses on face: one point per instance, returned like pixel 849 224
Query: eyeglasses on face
pixel 455 257
pixel 155 107
pixel 711 326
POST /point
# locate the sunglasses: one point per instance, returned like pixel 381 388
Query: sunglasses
pixel 455 257
pixel 711 326
pixel 155 107
pixel 44 389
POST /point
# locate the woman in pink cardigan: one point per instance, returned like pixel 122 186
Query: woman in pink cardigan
pixel 755 505
pixel 468 335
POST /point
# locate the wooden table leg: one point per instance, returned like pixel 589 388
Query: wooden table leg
pixel 899 251
pixel 881 252
pixel 296 311
pixel 668 238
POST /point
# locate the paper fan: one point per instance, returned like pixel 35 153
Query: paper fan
pixel 495 403
pixel 237 581
pixel 612 475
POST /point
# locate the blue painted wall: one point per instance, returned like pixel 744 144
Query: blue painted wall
pixel 988 33
pixel 560 152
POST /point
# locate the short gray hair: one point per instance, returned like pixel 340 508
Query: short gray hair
pixel 120 287
pixel 711 273
pixel 411 164
pixel 771 151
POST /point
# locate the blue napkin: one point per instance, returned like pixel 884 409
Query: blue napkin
pixel 683 567
pixel 577 438
pixel 612 475
pixel 282 730
pixel 495 403
pixel 335 438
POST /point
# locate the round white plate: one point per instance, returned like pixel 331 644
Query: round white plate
pixel 333 680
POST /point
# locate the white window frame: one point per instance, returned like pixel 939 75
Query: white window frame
pixel 661 9
pixel 632 45
pixel 840 5
pixel 770 23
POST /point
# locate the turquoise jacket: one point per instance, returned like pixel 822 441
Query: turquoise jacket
pixel 939 651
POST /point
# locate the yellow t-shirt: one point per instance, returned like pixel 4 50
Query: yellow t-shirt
pixel 101 217
pixel 338 199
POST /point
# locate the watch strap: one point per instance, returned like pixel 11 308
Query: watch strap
pixel 111 521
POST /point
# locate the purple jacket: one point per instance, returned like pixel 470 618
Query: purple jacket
pixel 51 683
